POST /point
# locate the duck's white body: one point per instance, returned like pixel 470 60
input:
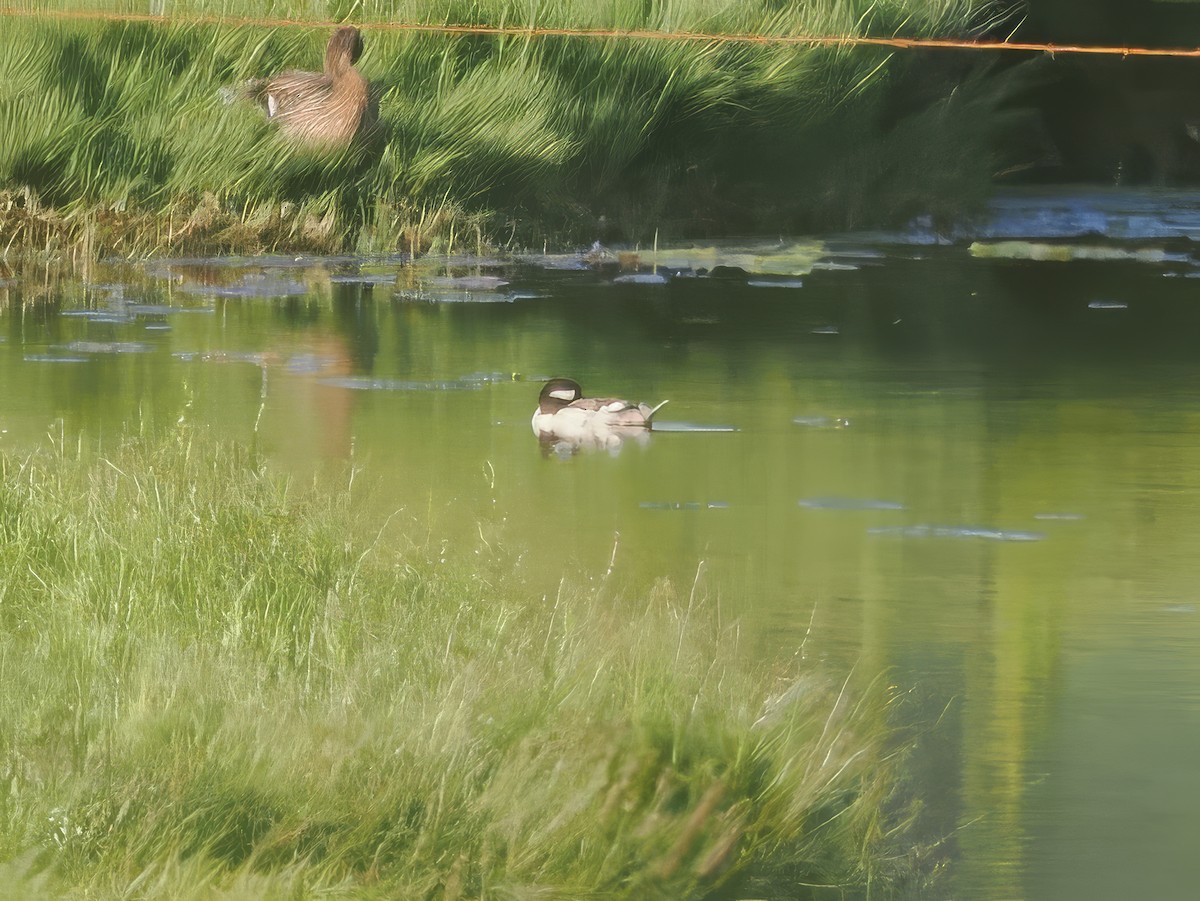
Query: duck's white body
pixel 563 413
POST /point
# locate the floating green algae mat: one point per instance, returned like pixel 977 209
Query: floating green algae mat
pixel 216 678
pixel 1064 253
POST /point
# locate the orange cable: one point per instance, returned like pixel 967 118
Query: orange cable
pixel 539 31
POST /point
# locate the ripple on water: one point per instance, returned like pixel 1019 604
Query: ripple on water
pixel 775 283
pixel 487 377
pixel 558 263
pixel 849 503
pixel 822 422
pixel 107 316
pixel 640 278
pixel 436 297
pixel 169 268
pixel 307 364
pixel 467 282
pixel 667 425
pixel 107 347
pixel 363 279
pixel 161 309
pixel 104 315
pixel 1179 609
pixel 684 505
pixel 365 384
pixel 221 356
pixel 986 533
pixel 250 286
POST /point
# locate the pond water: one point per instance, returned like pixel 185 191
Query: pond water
pixel 975 467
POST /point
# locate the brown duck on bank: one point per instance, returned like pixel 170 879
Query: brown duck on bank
pixel 321 109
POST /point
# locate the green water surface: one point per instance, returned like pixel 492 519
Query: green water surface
pixel 957 470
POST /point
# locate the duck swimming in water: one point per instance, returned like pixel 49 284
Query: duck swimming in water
pixel 321 109
pixel 564 414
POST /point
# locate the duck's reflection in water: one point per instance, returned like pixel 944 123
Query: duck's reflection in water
pixel 610 440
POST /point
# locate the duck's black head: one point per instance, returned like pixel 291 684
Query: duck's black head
pixel 558 393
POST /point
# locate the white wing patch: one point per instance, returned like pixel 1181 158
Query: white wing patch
pixel 272 106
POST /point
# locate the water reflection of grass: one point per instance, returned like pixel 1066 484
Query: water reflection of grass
pixel 116 140
pixel 213 678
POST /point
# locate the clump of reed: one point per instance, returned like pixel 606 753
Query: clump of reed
pixel 219 682
pixel 546 138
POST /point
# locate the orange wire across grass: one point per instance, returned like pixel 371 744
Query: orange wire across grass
pixel 804 40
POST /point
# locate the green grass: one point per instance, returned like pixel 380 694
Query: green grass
pixel 118 127
pixel 218 683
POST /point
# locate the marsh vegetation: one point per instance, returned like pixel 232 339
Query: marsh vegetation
pixel 117 141
pixel 218 680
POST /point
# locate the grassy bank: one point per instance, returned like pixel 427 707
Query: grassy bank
pixel 116 139
pixel 218 682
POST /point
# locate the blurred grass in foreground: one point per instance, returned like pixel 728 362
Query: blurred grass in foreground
pixel 116 139
pixel 219 683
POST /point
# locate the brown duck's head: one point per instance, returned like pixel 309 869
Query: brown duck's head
pixel 344 49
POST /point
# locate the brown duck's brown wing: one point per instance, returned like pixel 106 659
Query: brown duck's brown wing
pixel 318 110
pixel 291 94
